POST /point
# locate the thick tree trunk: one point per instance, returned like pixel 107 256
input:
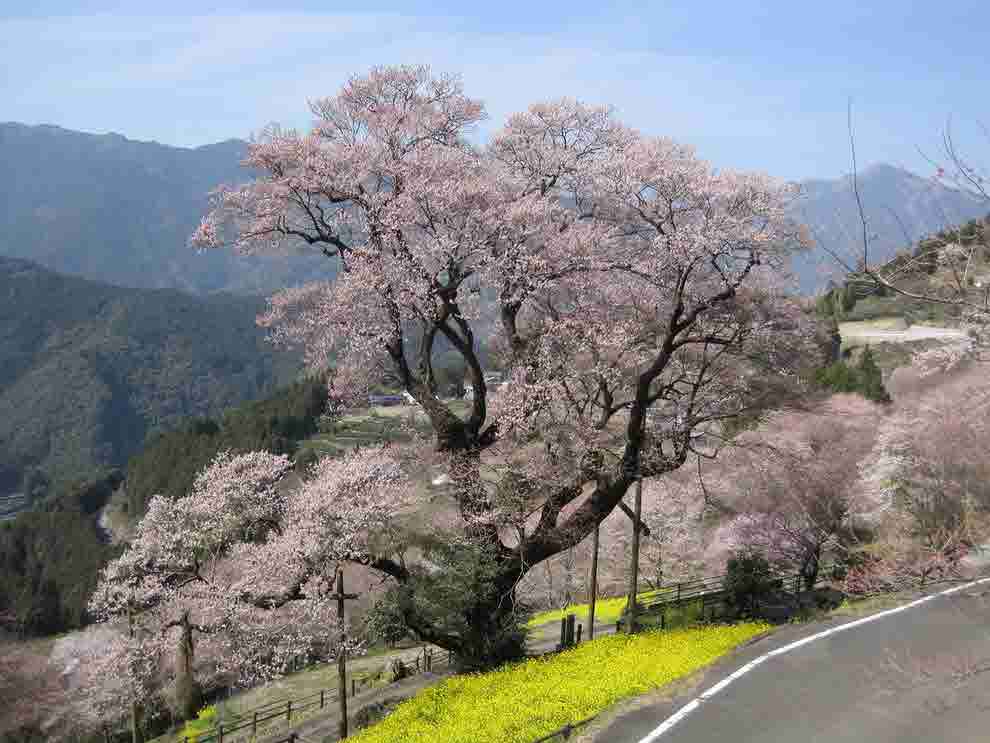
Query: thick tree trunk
pixel 810 569
pixel 186 691
pixel 480 622
pixel 496 633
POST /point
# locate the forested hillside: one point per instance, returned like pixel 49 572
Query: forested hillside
pixel 87 370
pixel 121 211
pixel 50 556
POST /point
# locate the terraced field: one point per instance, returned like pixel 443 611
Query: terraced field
pixel 372 426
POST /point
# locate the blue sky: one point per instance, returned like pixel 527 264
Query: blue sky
pixel 753 86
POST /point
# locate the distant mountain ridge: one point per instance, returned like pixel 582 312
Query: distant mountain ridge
pixel 112 209
pixel 900 208
pixel 87 369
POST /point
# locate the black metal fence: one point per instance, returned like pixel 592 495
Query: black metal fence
pixel 710 593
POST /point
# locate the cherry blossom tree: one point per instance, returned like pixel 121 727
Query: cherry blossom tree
pixel 30 690
pixel 802 493
pixel 246 565
pixel 632 293
pixel 932 468
pixel 675 547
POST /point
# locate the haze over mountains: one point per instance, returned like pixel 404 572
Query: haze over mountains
pixel 111 209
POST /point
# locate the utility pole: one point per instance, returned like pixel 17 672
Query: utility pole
pixel 342 653
pixel 594 584
pixel 634 572
pixel 637 524
pixel 135 732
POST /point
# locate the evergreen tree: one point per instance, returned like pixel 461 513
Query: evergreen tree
pixel 871 378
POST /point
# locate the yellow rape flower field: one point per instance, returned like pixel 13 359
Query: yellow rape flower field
pixel 607 611
pixel 525 701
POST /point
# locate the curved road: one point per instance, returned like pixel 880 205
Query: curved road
pixel 918 675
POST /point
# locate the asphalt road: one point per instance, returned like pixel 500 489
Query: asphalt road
pixel 920 675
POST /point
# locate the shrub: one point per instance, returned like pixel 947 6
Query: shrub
pixel 374 712
pixel 865 379
pixel 871 378
pixel 748 579
pixel 305 459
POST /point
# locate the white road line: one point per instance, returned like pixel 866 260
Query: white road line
pixel 712 691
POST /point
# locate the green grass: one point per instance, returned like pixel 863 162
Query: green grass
pixel 369 669
pixel 522 702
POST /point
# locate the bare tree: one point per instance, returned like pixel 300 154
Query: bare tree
pixel 954 261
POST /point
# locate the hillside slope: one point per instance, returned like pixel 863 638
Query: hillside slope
pixel 87 370
pixel 111 209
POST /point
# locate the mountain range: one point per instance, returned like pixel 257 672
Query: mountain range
pixel 900 209
pixel 112 209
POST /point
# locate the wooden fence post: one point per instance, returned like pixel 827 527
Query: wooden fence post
pixel 353 686
pixel 563 632
pixel 254 724
pixel 288 712
pixel 579 635
pixel 321 698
